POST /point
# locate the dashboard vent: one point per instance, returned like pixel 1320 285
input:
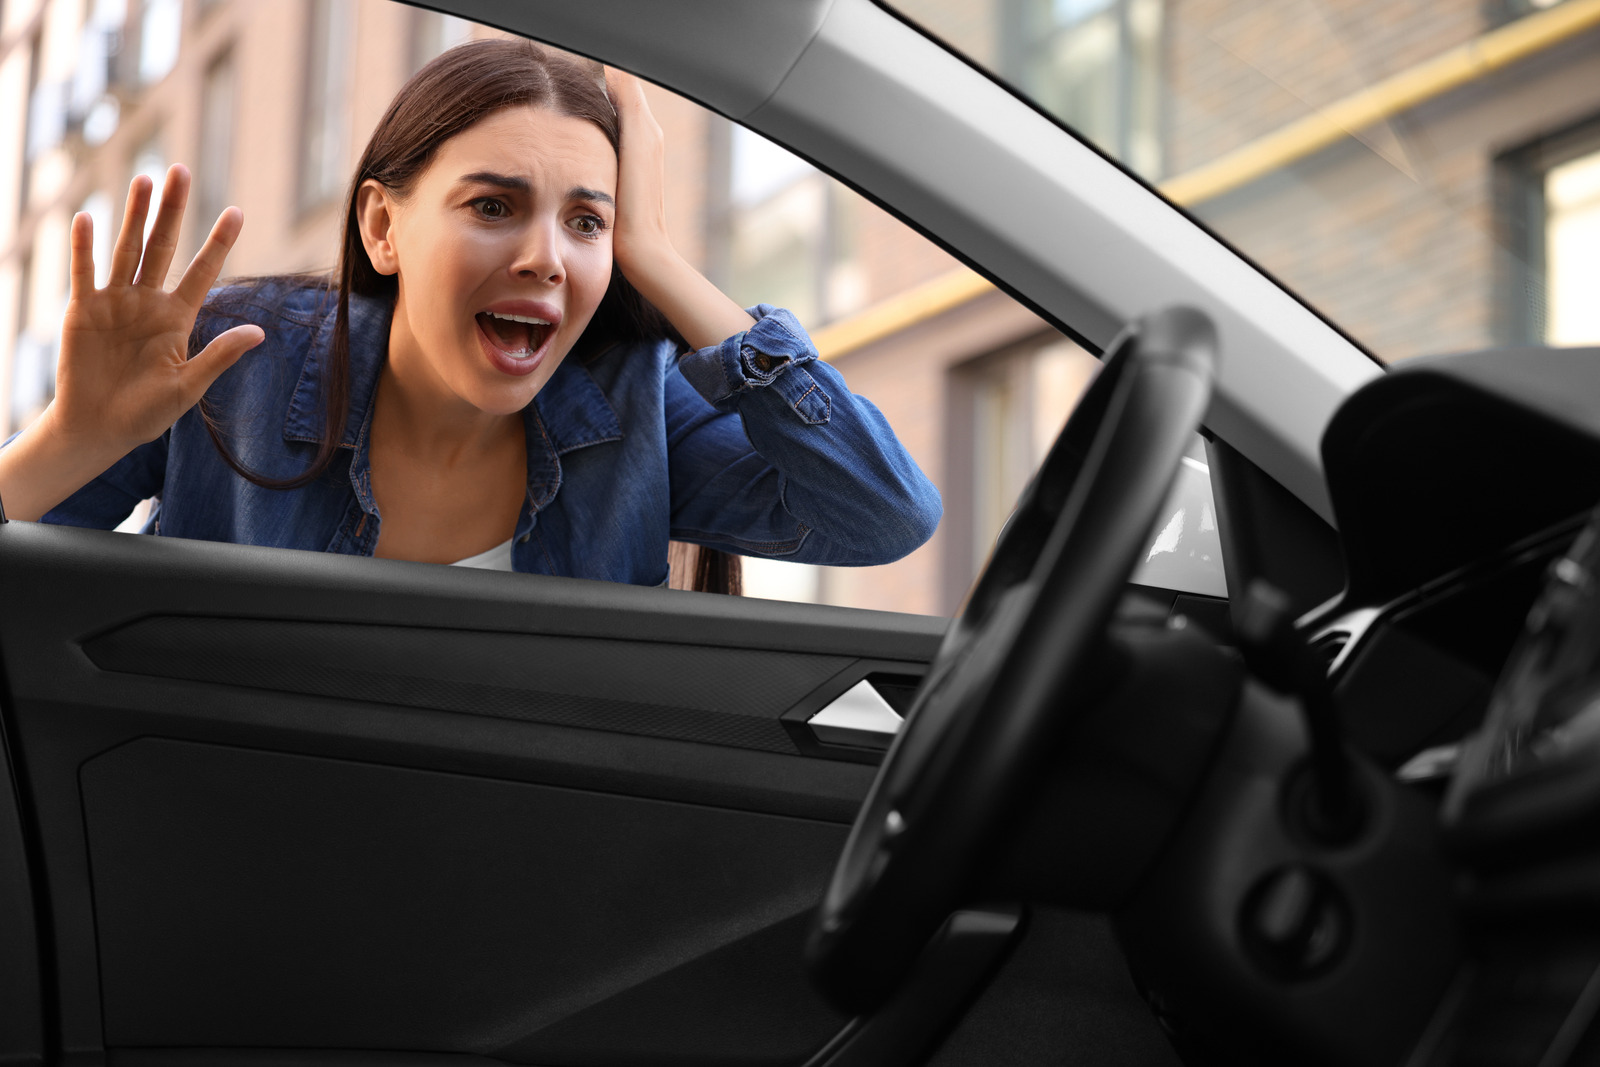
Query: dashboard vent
pixel 1329 646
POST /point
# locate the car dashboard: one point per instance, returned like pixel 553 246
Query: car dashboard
pixel 1456 481
pixel 1454 925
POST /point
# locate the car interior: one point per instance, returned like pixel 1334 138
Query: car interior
pixel 278 808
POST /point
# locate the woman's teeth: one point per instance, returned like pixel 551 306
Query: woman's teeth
pixel 518 336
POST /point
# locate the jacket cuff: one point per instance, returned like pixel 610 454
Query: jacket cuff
pixel 752 359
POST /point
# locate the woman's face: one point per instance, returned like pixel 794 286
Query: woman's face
pixel 503 251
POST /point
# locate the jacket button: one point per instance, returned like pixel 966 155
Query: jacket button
pixel 523 539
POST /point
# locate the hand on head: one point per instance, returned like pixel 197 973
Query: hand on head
pixel 641 229
pixel 700 312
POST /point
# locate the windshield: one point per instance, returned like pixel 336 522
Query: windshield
pixel 1426 175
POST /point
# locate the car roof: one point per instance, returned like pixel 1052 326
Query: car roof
pixel 871 99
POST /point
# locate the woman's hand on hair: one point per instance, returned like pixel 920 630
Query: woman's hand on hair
pixel 640 235
pixel 124 374
pixel 640 243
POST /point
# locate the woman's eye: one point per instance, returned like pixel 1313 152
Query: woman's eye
pixel 589 224
pixel 491 208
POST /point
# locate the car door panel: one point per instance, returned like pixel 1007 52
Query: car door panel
pixel 22 1038
pixel 295 801
pixel 261 898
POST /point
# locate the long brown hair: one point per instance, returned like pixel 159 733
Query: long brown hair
pixel 459 88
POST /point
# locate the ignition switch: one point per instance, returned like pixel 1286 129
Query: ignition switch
pixel 1294 922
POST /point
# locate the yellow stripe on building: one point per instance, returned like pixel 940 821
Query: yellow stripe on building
pixel 1360 110
pixel 1395 94
pixel 904 309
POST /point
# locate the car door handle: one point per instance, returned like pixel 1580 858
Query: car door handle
pixel 858 716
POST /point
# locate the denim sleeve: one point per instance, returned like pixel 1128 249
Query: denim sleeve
pixel 111 497
pixel 770 454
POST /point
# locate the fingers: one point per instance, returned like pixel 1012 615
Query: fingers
pixel 223 352
pixel 130 242
pixel 82 269
pixel 626 92
pixel 163 240
pixel 641 133
pixel 207 264
pixel 614 81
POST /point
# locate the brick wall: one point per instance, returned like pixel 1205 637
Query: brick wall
pixel 1236 71
pixel 894 257
pixel 1397 236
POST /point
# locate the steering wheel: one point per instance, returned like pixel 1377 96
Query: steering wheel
pixel 991 715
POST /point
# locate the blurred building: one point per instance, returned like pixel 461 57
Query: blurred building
pixel 1425 172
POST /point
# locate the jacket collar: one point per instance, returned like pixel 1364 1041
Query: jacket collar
pixel 570 412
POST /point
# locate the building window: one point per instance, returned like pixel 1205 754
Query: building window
pixel 47 108
pixel 433 33
pixel 160 33
pixel 213 170
pixel 1550 207
pixel 1095 64
pixel 1572 251
pixel 101 121
pixel 1506 10
pixel 789 233
pixel 325 130
pixel 98 45
pixel 47 118
pixel 1020 399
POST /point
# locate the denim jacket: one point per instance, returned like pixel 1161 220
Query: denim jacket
pixel 752 446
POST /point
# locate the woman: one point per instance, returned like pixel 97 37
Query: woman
pixel 493 378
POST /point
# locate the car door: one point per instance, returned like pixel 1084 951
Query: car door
pixel 287 801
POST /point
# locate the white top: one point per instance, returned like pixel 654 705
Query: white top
pixel 497 558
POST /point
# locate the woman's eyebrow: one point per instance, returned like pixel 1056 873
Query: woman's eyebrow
pixel 504 181
pixel 522 185
pixel 578 192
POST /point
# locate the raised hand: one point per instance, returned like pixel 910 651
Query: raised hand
pixel 640 242
pixel 124 374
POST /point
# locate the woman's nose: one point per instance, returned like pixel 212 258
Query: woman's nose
pixel 539 256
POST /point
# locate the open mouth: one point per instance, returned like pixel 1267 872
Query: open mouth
pixel 515 336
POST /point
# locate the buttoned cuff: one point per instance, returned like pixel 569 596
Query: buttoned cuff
pixel 752 359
